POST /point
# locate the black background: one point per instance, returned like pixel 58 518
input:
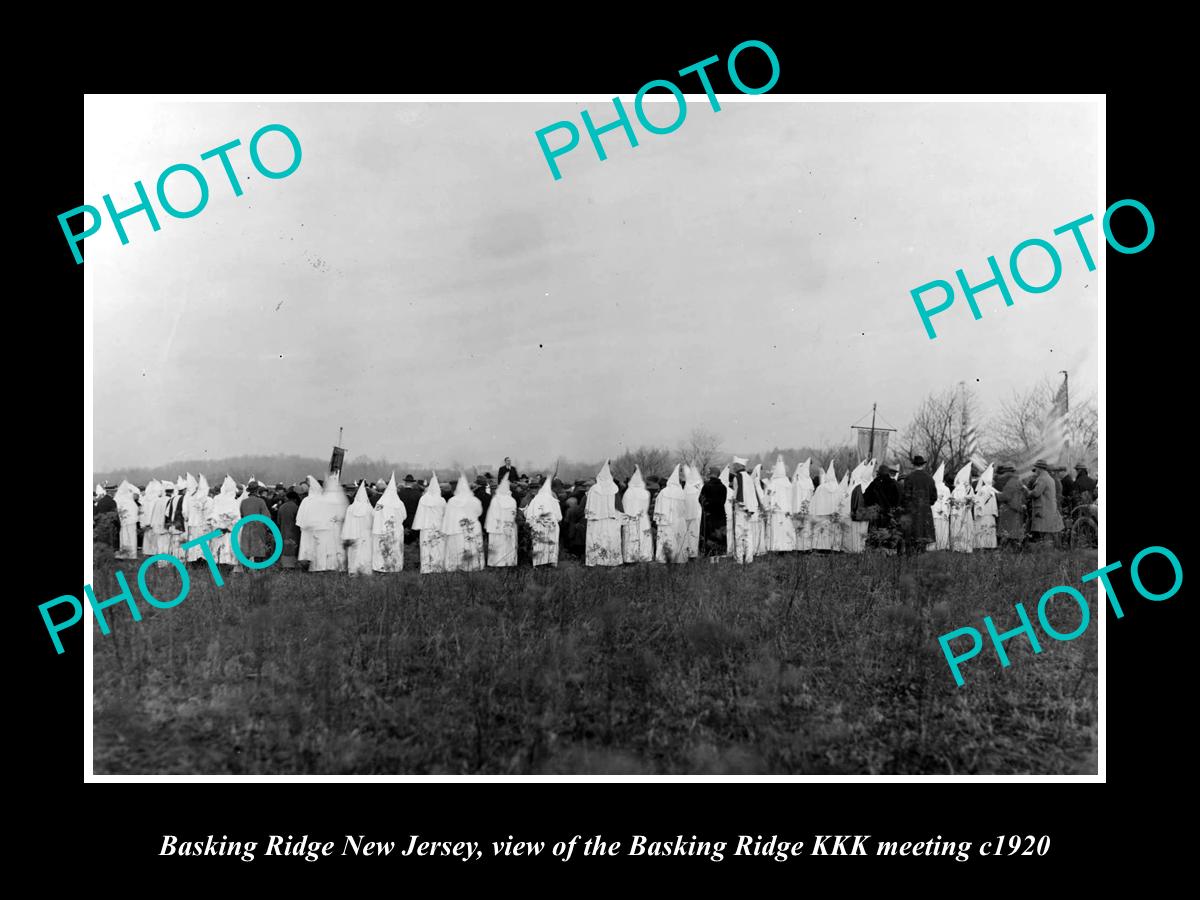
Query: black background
pixel 1147 702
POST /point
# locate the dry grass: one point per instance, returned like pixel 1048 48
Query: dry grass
pixel 795 664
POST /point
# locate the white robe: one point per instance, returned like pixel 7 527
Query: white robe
pixel 464 534
pixel 986 510
pixel 637 540
pixel 127 513
pixel 356 534
pixel 431 511
pixel 226 512
pixel 543 515
pixel 328 516
pixel 781 531
pixel 742 519
pixel 826 532
pixel 387 531
pixel 602 546
pixel 691 496
pixel 501 522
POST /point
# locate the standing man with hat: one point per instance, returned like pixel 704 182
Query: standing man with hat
pixel 919 496
pixel 1010 523
pixel 1046 523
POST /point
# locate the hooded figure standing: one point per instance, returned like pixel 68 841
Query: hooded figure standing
pixel 226 512
pixel 854 525
pixel 464 534
pixel 328 516
pixel 941 511
pixel 356 532
pixel 500 522
pixel 827 532
pixel 759 525
pixel 602 540
pixel 306 521
pixel 431 512
pixel 745 509
pixel 726 482
pixel 127 511
pixel 176 520
pixel 387 530
pixel 543 514
pixel 670 513
pixel 962 523
pixel 986 509
pixel 199 516
pixel 158 522
pixel 802 494
pixel 146 517
pixel 637 541
pixel 781 531
pixel 691 496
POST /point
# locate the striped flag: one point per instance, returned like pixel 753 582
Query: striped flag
pixel 970 437
pixel 1054 428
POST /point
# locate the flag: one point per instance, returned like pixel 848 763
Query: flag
pixel 970 438
pixel 865 450
pixel 1055 447
pixel 335 461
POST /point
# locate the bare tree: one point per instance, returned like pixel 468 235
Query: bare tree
pixel 652 460
pixel 936 429
pixel 1017 429
pixel 700 448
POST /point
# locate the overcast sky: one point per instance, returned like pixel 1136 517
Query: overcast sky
pixel 423 282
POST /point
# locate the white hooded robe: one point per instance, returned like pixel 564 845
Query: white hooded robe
pixel 356 532
pixel 743 515
pixel 464 533
pixel 500 522
pixel 387 530
pixel 431 512
pixel 146 517
pixel 802 494
pixel 986 510
pixel 827 531
pixel 637 540
pixel 226 512
pixel 691 495
pixel 854 534
pixel 781 532
pixel 200 514
pixel 941 511
pixel 543 515
pixel 670 514
pixel 962 520
pixel 602 545
pixel 127 513
pixel 303 521
pixel 328 516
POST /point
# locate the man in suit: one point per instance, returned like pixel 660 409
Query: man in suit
pixel 507 469
pixel 919 496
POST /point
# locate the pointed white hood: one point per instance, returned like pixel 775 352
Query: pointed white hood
pixel 962 483
pixel 462 506
pixel 431 507
pixel 636 499
pixel 544 503
pixel 359 516
pixel 502 509
pixel 390 508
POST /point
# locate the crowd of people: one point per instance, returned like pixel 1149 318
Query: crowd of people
pixel 504 520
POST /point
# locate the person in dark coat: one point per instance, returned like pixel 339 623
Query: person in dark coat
pixel 286 517
pixel 1010 505
pixel 410 495
pixel 1085 486
pixel 507 469
pixel 883 496
pixel 575 526
pixel 919 497
pixel 1046 523
pixel 255 541
pixel 712 505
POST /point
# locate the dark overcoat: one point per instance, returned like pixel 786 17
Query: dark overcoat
pixel 919 496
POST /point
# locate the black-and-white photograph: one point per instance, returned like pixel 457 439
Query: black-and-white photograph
pixel 477 438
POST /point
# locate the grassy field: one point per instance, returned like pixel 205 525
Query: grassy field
pixel 795 664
